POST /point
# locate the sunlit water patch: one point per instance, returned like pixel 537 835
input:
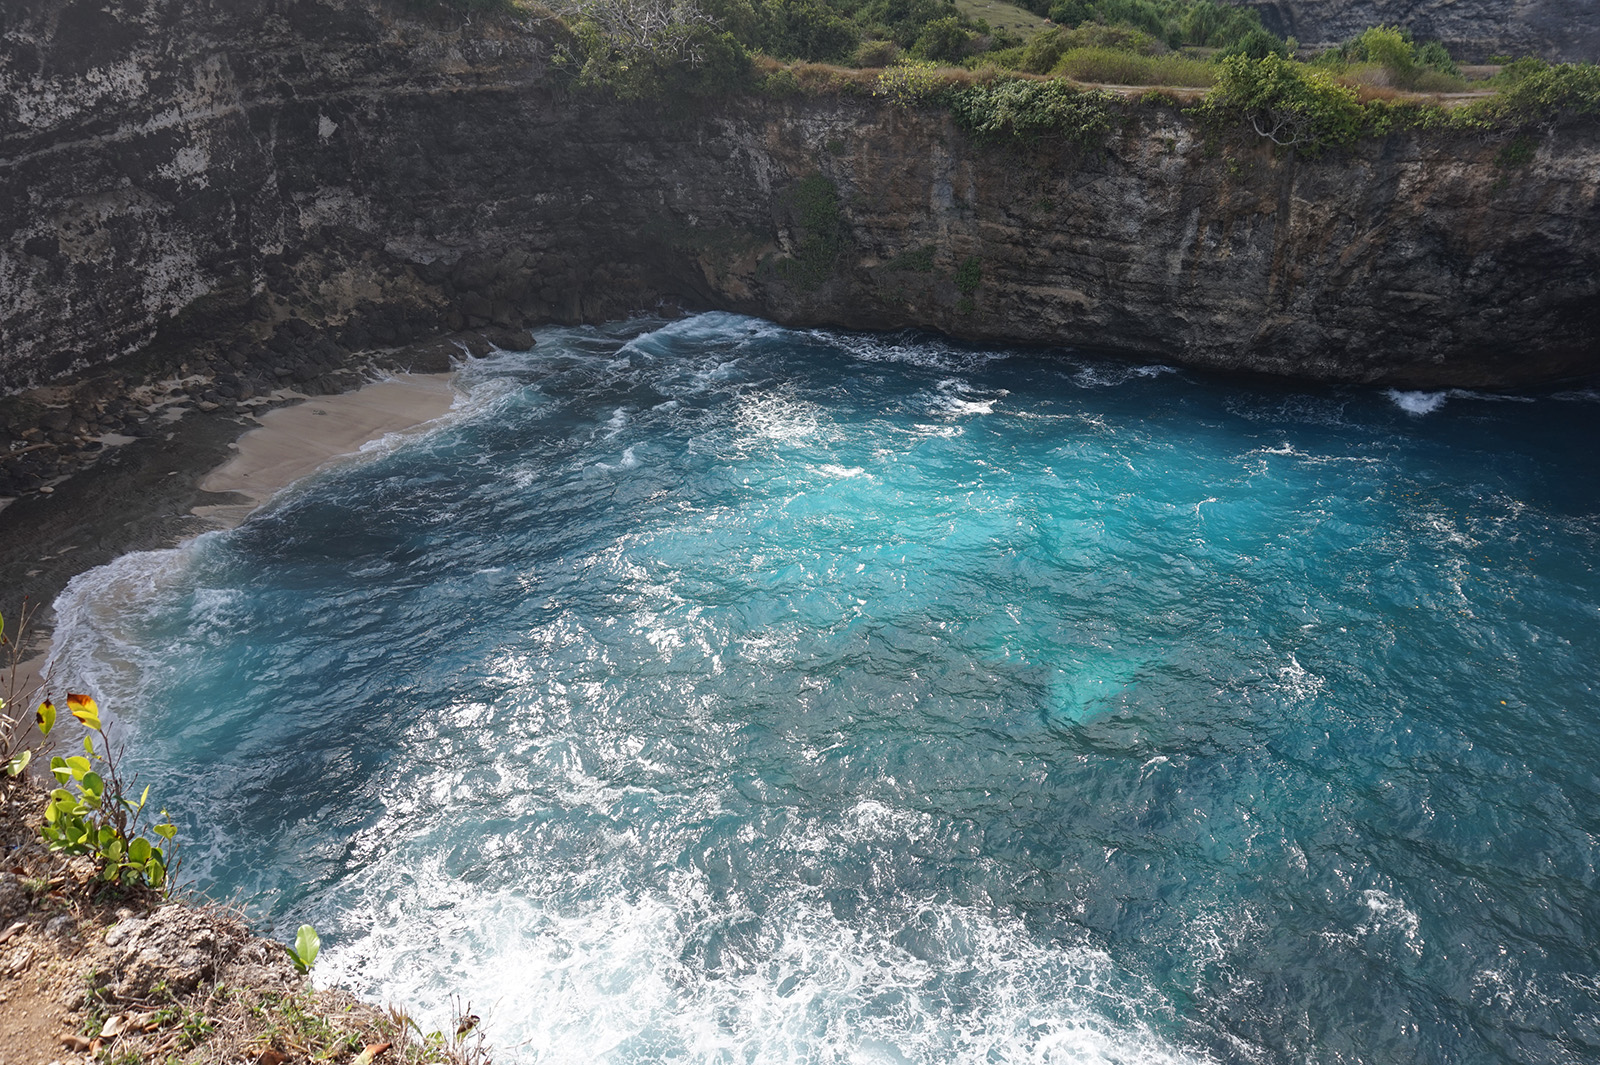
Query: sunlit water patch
pixel 711 692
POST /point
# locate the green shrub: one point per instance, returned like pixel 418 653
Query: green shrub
pixel 1043 53
pixel 943 40
pixel 1435 56
pixel 781 83
pixel 1070 12
pixel 919 260
pixel 1532 91
pixel 908 83
pixel 1391 48
pixel 876 53
pixel 1285 102
pixel 969 275
pixel 1013 109
pixel 807 29
pixel 1000 59
pixel 1211 25
pixel 1519 152
pixel 1257 43
pixel 90 811
pixel 687 58
pixel 1040 55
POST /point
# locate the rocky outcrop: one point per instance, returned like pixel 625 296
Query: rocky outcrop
pixel 1474 30
pixel 268 184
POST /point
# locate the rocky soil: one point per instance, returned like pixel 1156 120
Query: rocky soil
pixel 90 973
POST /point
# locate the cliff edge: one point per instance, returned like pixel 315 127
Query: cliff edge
pixel 273 182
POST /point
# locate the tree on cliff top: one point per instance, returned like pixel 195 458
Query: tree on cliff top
pixel 638 48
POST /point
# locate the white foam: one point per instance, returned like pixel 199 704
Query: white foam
pixel 629 461
pixel 908 350
pixel 1390 914
pixel 679 971
pixel 1110 375
pixel 1417 402
pixel 778 418
pixel 96 644
pixel 953 397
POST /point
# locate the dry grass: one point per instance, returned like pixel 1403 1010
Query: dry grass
pixel 1374 79
pixel 1106 66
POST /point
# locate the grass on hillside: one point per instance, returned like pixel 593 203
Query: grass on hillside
pixel 1003 16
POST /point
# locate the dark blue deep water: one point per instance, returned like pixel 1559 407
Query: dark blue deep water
pixel 713 692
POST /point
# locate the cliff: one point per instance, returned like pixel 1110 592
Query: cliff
pixel 1564 30
pixel 182 176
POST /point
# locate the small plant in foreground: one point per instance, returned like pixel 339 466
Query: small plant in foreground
pixel 94 815
pixel 307 945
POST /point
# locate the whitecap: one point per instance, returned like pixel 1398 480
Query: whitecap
pixel 1110 375
pixel 1417 402
pixel 629 461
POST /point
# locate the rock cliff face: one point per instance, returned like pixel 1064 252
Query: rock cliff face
pixel 1566 30
pixel 181 175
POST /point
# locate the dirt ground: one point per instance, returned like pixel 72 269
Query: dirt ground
pixel 91 972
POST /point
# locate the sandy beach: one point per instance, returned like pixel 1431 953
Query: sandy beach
pixel 206 472
pixel 295 441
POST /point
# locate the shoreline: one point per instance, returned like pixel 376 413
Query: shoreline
pixel 209 470
pixel 296 441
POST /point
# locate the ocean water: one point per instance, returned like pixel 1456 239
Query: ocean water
pixel 710 692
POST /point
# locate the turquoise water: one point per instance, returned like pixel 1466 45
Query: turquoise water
pixel 712 692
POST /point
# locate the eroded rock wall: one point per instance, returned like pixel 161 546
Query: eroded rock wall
pixel 1473 30
pixel 192 174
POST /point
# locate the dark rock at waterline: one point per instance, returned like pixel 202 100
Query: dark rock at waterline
pixel 434 356
pixel 510 339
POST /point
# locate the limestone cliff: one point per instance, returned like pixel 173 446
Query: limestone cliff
pixel 178 172
pixel 1565 30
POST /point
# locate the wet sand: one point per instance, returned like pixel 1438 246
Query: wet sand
pixel 204 472
pixel 295 441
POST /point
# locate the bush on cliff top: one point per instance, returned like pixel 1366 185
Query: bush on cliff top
pixel 1015 109
pixel 1284 102
pixel 1532 91
pixel 637 49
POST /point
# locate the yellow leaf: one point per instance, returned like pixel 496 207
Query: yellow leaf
pixel 85 709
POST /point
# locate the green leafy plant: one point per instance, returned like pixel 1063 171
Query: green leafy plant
pixel 969 275
pixel 307 945
pixel 1015 109
pixel 908 82
pixel 1284 102
pixel 90 810
pixel 919 260
pixel 1533 92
